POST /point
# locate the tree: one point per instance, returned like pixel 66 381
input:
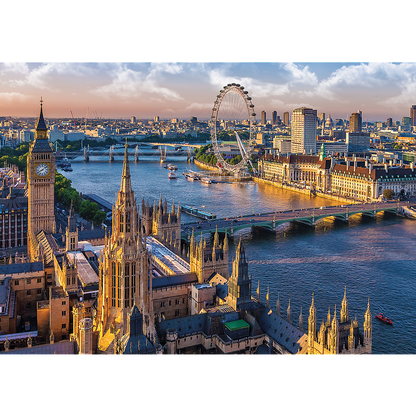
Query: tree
pixel 388 193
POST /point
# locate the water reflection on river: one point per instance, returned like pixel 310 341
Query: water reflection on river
pixel 373 258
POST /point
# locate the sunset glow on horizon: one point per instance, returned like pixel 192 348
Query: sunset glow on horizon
pixel 182 90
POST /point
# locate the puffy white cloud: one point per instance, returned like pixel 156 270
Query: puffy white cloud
pixel 46 76
pixel 129 83
pixel 385 81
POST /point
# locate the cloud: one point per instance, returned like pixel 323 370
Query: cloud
pixel 299 75
pixel 12 96
pixel 256 88
pixel 45 76
pixel 199 106
pixel 292 79
pixel 128 83
pixel 387 81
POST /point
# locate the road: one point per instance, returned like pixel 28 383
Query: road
pixel 285 216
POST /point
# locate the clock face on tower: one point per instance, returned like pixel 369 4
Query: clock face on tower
pixel 42 169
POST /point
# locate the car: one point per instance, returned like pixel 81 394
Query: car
pixel 198 226
pixel 235 220
pixel 322 208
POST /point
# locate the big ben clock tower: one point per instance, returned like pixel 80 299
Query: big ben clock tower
pixel 41 181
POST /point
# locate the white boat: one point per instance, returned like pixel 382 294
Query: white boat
pixel 172 175
pixel 172 167
pixel 205 179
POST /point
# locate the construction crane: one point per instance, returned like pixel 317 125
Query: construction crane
pixel 72 118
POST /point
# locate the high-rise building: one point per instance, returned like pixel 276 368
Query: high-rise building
pixel 413 114
pixel 321 118
pixel 286 118
pixel 355 122
pixel 133 119
pixel 389 122
pixel 274 118
pixel 263 117
pixel 303 131
pixel 406 121
pixel 156 119
pixel 41 184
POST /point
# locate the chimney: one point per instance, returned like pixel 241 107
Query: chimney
pixel 385 167
pixel 412 166
pixel 391 162
pixel 370 168
pixel 348 164
pixel 355 164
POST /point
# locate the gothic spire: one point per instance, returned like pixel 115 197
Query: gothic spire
pixel 41 142
pixel 367 321
pixel 40 124
pixel 344 307
pixel 301 320
pixel 125 177
pixel 268 298
pixel 258 291
pixel 216 240
pixel 289 313
pixel 278 304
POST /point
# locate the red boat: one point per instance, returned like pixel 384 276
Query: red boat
pixel 384 319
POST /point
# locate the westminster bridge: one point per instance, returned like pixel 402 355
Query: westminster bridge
pixel 309 217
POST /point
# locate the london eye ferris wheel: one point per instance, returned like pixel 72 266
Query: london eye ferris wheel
pixel 233 108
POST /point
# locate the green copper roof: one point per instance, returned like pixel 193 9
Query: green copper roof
pixel 234 325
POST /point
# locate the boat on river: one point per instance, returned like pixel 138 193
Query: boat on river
pixel 384 319
pixel 172 167
pixel 205 179
pixel 172 175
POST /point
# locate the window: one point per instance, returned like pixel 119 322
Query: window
pixel 28 305
pixel 28 292
pixel 170 303
pixel 177 301
pixel 64 302
pixel 39 291
pixel 63 313
pixel 68 281
pixel 63 326
pixel 16 283
pixel 177 312
pixel 39 280
pixel 162 304
pixel 29 281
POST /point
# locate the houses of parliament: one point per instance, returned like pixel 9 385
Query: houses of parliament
pixel 136 288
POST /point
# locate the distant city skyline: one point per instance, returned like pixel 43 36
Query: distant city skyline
pixel 182 90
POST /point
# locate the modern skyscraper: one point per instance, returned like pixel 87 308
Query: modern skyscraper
pixel 303 131
pixel 413 114
pixel 389 122
pixel 274 118
pixel 263 117
pixel 355 122
pixel 286 118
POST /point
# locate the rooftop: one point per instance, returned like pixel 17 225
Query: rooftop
pixel 86 273
pixel 234 325
pixel 15 268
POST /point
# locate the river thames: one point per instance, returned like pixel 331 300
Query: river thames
pixel 373 259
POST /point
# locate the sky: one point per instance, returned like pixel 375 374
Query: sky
pixel 179 89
